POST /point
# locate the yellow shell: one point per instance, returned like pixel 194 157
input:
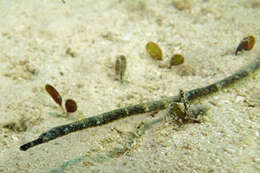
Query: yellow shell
pixel 176 59
pixel 154 50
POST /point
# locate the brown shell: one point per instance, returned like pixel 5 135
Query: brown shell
pixel 120 66
pixel 117 66
pixel 71 106
pixel 54 94
pixel 246 44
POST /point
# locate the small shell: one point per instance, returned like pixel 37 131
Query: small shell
pixel 246 44
pixel 154 50
pixel 117 66
pixel 176 59
pixel 54 94
pixel 71 106
pixel 120 67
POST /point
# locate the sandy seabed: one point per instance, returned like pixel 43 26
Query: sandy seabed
pixel 73 46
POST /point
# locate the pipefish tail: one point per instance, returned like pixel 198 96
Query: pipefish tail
pixel 157 105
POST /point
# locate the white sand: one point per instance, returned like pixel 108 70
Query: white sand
pixel 34 36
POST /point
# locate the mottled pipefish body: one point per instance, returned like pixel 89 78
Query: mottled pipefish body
pixel 111 116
